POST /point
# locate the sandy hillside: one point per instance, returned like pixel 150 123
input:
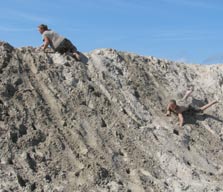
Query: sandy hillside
pixel 99 125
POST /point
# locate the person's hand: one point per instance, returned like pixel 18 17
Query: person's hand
pixel 190 90
pixel 41 48
pixel 188 93
pixel 38 49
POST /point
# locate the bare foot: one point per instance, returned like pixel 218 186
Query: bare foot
pixel 215 101
pixel 76 56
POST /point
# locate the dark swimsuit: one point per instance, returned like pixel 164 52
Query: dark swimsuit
pixel 193 110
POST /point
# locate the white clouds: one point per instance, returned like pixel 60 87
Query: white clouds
pixel 31 17
pixel 14 15
pixel 14 29
pixel 25 16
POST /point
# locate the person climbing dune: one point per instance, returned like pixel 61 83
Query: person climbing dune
pixel 180 110
pixel 57 42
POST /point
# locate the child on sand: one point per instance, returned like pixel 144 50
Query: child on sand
pixel 179 110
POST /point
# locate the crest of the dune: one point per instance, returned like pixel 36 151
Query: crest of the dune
pixel 100 124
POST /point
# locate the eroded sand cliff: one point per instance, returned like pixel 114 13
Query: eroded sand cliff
pixel 100 125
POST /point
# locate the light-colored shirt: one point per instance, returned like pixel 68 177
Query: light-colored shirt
pixel 54 38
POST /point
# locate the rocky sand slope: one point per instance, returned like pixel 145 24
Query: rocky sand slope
pixel 100 125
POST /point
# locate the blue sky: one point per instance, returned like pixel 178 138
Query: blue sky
pixel 181 30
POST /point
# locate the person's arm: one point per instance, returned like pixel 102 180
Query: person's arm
pixel 181 119
pixel 168 113
pixel 188 93
pixel 46 43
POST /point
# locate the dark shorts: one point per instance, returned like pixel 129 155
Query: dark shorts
pixel 192 110
pixel 66 46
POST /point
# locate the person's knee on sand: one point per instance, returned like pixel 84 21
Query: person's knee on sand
pixel 57 42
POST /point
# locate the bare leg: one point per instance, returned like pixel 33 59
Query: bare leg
pixel 208 105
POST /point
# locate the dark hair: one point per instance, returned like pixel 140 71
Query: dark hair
pixel 43 26
pixel 173 101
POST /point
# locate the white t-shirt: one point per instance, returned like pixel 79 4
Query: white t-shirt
pixel 54 38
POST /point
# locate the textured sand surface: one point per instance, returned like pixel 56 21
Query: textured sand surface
pixel 100 125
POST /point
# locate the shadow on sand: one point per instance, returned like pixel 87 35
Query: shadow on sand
pixel 192 118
